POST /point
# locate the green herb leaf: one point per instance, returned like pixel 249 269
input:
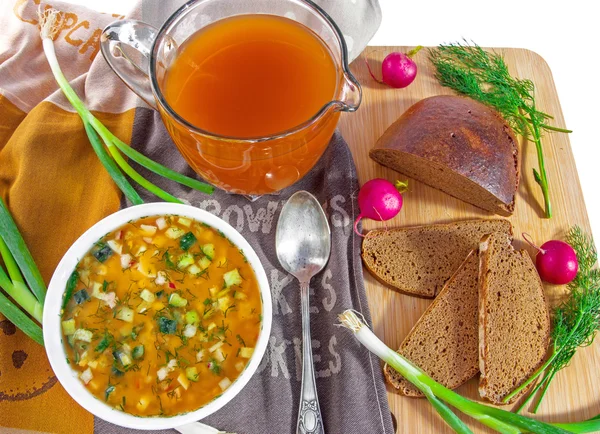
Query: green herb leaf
pixel 71 284
pixel 214 366
pixel 240 340
pixel 187 241
pixel 104 343
pixel 168 260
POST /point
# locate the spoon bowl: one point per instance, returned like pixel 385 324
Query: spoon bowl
pixel 303 238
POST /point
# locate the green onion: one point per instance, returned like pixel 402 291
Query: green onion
pixel 19 319
pixel 50 24
pixel 590 425
pixel 159 169
pixel 19 263
pixel 111 167
pixel 18 291
pixel 499 420
pixel 447 414
pixel 19 251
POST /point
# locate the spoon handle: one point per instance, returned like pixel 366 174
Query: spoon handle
pixel 309 414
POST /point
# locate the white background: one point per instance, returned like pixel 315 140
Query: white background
pixel 566 33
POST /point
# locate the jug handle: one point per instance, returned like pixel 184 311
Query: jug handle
pixel 139 36
pixel 351 95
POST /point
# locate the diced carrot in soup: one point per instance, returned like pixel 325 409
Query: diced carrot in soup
pixel 156 328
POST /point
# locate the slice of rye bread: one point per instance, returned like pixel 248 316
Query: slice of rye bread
pixel 444 342
pixel 514 323
pixel 419 260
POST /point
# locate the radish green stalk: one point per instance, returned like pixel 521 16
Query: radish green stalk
pixel 500 420
pixel 50 20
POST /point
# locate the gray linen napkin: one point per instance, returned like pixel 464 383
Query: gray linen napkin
pixel 350 384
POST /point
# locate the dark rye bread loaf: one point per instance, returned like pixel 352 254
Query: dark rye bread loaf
pixel 457 145
pixel 444 342
pixel 419 260
pixel 514 324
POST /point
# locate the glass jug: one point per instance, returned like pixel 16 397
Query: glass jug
pixel 141 55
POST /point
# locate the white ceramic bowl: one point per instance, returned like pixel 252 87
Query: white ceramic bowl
pixel 52 321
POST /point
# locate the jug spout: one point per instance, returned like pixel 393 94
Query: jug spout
pixel 351 94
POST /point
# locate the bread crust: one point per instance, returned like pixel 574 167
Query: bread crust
pixel 484 345
pixel 482 322
pixel 458 145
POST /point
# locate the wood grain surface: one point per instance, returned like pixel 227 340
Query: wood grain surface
pixel 573 395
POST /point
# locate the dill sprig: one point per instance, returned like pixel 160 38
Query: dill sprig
pixel 484 76
pixel 575 321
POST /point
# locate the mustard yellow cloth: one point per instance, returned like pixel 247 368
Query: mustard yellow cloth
pixel 53 184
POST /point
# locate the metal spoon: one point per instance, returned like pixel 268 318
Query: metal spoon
pixel 303 244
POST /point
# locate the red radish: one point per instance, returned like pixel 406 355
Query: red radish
pixel 398 70
pixel 556 261
pixel 379 199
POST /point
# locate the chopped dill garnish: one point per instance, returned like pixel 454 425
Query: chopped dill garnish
pixel 215 367
pixel 223 328
pixel 232 307
pixel 240 340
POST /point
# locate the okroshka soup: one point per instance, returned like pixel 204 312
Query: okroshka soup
pixel 161 316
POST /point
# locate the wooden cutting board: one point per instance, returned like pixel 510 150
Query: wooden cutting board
pixel 573 395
